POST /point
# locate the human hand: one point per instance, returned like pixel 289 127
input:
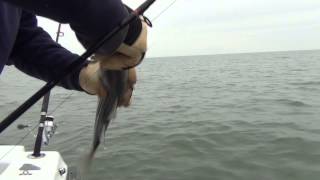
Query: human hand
pixel 126 55
pixel 89 80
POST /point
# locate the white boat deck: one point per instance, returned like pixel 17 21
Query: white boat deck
pixel 17 164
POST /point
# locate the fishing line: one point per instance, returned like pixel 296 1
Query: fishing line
pixel 61 103
pixel 164 10
pixel 157 16
pixel 20 141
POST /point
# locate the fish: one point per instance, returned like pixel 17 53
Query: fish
pixel 115 83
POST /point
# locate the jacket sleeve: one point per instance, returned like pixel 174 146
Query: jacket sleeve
pixel 90 19
pixel 36 54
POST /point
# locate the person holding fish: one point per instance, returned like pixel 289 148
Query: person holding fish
pixel 30 49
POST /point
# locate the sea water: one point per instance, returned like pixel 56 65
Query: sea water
pixel 225 117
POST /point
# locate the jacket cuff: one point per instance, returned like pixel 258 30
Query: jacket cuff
pixel 72 81
pixel 135 28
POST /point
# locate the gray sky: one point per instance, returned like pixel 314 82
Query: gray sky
pixel 192 27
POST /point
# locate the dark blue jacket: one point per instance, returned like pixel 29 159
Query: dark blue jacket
pixel 31 49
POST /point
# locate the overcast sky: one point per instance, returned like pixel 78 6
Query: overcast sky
pixel 192 27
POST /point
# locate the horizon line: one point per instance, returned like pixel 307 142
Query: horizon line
pixel 235 53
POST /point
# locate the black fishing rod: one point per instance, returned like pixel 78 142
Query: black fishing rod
pixel 46 98
pixel 44 111
pixel 78 63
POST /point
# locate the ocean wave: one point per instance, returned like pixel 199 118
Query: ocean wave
pixel 307 83
pixel 292 102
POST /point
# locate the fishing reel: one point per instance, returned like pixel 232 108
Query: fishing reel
pixel 49 128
